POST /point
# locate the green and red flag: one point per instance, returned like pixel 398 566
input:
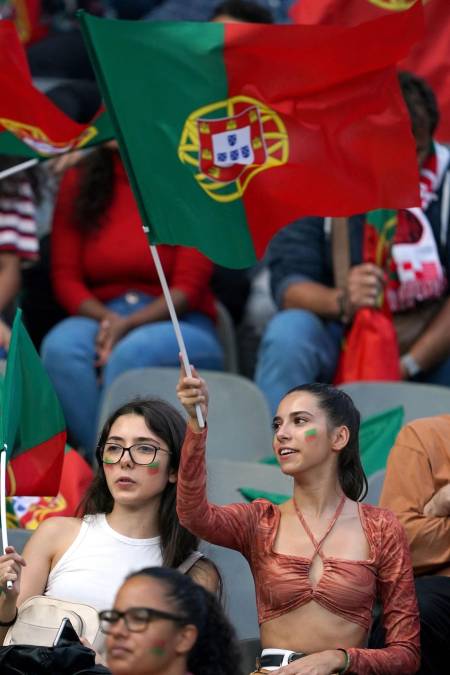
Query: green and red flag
pixel 370 349
pixel 31 125
pixel 32 427
pixel 429 58
pixel 231 131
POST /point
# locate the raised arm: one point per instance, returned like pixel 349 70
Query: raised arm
pixel 401 656
pixel 230 525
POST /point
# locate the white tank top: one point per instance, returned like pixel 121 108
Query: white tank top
pixel 97 562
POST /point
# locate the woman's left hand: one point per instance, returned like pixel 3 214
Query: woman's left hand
pixel 322 663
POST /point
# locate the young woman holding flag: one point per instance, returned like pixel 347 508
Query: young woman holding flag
pixel 321 559
pixel 129 520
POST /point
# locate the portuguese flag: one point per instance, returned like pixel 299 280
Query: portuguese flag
pixel 231 131
pixel 32 425
pixel 31 126
pixel 430 57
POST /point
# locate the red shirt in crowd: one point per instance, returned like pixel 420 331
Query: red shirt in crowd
pixel 115 258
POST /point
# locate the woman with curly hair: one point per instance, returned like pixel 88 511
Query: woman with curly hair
pixel 164 623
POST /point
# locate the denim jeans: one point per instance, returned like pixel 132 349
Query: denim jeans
pixel 68 353
pixel 299 347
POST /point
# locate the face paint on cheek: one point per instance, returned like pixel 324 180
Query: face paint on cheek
pixel 158 648
pixel 310 434
pixel 153 468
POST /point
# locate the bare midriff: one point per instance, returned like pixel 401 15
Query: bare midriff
pixel 311 628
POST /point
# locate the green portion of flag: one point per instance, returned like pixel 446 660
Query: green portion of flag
pixel 30 411
pixel 250 494
pixel 142 68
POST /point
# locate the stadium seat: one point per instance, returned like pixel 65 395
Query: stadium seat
pixel 227 337
pixel 418 400
pixel 374 487
pixel 18 538
pixel 239 420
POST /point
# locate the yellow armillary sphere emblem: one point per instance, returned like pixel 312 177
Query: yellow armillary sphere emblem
pixel 395 5
pixel 229 142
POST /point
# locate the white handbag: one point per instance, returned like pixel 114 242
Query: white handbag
pixel 39 618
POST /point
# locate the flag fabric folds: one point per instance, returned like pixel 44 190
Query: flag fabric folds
pixel 32 425
pixel 370 350
pixel 229 132
pixel 429 58
pixel 30 124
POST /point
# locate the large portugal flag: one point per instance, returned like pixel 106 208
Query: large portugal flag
pixel 229 132
pixel 430 58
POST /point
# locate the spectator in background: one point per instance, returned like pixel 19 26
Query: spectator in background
pixel 19 196
pixel 169 625
pixel 417 489
pixel 302 342
pixel 104 276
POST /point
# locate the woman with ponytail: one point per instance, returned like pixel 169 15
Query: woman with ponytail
pixel 321 559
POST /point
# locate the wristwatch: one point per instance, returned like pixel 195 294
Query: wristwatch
pixel 410 364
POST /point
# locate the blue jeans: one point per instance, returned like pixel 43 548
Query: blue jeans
pixel 299 347
pixel 68 353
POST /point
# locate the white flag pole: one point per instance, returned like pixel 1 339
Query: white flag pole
pixel 175 322
pixel 18 167
pixel 9 584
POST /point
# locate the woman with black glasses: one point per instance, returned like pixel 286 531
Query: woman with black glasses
pixel 129 520
pixel 163 622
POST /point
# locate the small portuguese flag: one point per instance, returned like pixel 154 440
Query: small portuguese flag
pixel 32 425
pixel 31 126
pixel 231 131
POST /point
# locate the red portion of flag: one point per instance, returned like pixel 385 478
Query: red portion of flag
pixel 27 112
pixel 430 58
pixel 348 131
pixel 370 351
pixel 37 471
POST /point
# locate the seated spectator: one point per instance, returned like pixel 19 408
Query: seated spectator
pixel 104 276
pixel 129 520
pixel 417 489
pixel 19 196
pixel 302 342
pixel 163 622
pixel 321 559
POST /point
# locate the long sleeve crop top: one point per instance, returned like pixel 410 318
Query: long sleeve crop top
pixel 347 588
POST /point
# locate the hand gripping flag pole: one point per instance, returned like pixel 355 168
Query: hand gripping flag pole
pixel 175 322
pixel 9 584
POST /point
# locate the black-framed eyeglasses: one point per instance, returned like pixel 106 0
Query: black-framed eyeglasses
pixel 136 618
pixel 140 453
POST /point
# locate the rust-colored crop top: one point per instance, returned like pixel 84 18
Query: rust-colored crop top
pixel 347 587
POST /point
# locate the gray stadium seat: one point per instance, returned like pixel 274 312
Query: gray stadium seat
pixel 18 538
pixel 239 419
pixel 374 487
pixel 227 337
pixel 418 400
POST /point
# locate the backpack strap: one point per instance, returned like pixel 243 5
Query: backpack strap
pixel 190 561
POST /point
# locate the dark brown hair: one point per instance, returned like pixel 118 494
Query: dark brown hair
pixel 341 411
pixel 176 542
pixel 96 189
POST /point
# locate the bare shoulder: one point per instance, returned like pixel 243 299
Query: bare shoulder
pixel 54 533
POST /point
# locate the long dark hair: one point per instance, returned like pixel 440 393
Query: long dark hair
pixel 216 650
pixel 10 184
pixel 176 542
pixel 96 189
pixel 341 411
pixel 420 100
